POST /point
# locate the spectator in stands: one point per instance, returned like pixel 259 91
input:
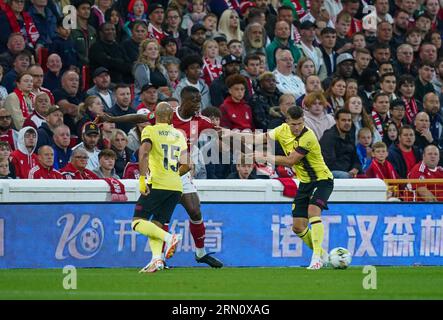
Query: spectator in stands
pixel 212 67
pixel 90 137
pixel 423 24
pixel 404 155
pixel 437 82
pixel 88 110
pixel 281 40
pixel 156 15
pixel 278 113
pixel 344 69
pixel 3 91
pixel 149 97
pixel 37 74
pixel 53 76
pixel 413 38
pixel 423 83
pixel 218 88
pixel 101 88
pixel 169 52
pixel 235 112
pixel 328 41
pixel 63 45
pixel 84 36
pixel 98 10
pixel 243 170
pixel 136 10
pixel 122 105
pixel 428 169
pixel 210 22
pixel 397 112
pixel 312 84
pixel 236 48
pixel 315 116
pixel 405 58
pixel 44 168
pixel 401 22
pixel 338 149
pixel 423 134
pixel 119 144
pixel 53 119
pixel 69 98
pixel 106 165
pixel 194 44
pixel 431 105
pixel 287 82
pixel 21 63
pixel 391 133
pixel 15 19
pixel 107 53
pixel 428 52
pixel 23 158
pixel 251 72
pixel 7 133
pixel 5 153
pixel 76 168
pixel 351 88
pixel 335 95
pixel 305 68
pixel 15 45
pixel 380 111
pixel 106 129
pixel 19 102
pixel 343 25
pixel 173 26
pixel 148 69
pixel 406 89
pixel 363 147
pixel 191 66
pixel 229 25
pixel 41 107
pixel 368 81
pixel 388 84
pixel 254 38
pixel 264 98
pixel 44 20
pixel 131 46
pixel 135 134
pixel 4 169
pixel 380 167
pixel 195 15
pixel 114 16
pixel 62 150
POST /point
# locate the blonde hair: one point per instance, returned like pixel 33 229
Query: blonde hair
pixel 84 106
pixel 206 44
pixel 314 96
pixel 300 64
pixel 141 54
pixel 116 132
pixel 223 26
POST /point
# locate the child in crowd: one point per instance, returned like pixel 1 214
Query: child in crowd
pixel 380 167
pixel 342 27
pixel 196 14
pixel 364 150
pixel 210 23
pixel 4 168
pixel 390 135
pixel 173 74
pixel 5 153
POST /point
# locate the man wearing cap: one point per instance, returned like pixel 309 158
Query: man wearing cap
pixel 345 68
pixel 306 45
pixel 265 97
pixel 139 32
pixel 90 136
pixel 84 36
pixel 107 53
pixel 193 45
pixel 281 40
pixel 156 14
pixel 101 88
pixel 149 97
pixel 218 89
pixel 53 119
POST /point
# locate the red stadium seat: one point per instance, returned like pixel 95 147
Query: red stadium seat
pixel 42 56
pixel 132 91
pixel 86 77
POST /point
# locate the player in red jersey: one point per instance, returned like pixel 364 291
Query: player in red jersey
pixel 188 119
pixel 428 169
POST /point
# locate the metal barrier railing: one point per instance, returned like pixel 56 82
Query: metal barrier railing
pixel 415 190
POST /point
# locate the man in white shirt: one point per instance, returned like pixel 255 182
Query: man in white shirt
pixel 90 136
pixel 287 82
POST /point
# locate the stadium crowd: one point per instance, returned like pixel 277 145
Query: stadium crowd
pixel 369 75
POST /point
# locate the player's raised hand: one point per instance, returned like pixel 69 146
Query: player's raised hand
pixel 102 118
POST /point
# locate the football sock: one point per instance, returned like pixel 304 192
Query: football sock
pixel 147 228
pixel 166 228
pixel 317 229
pixel 306 237
pixel 156 248
pixel 197 229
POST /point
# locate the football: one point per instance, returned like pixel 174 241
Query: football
pixel 340 258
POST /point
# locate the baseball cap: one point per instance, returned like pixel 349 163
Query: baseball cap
pixel 245 5
pixel 196 27
pixel 99 71
pixel 53 109
pixel 307 25
pixel 90 128
pixel 220 37
pixel 154 6
pixel 147 86
pixel 344 57
pixel 230 59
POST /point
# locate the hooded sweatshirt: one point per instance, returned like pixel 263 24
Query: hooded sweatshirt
pixel 23 160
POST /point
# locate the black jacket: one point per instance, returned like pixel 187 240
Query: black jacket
pixel 395 157
pixel 339 154
pixel 189 48
pixel 261 103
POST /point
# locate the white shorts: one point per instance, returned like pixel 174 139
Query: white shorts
pixel 188 186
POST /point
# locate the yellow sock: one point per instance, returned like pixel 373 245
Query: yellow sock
pixel 306 237
pixel 147 228
pixel 156 247
pixel 317 234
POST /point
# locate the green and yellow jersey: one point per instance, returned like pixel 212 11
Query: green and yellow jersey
pixel 311 167
pixel 167 145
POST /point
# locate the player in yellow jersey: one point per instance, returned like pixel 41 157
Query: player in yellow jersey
pixel 303 153
pixel 163 157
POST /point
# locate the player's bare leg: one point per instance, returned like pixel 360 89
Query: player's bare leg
pixel 191 203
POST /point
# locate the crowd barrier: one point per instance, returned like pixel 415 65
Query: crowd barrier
pixel 45 235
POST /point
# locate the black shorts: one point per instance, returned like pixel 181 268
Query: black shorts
pixel 158 204
pixel 316 193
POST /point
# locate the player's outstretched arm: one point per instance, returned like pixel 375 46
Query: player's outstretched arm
pixel 130 118
pixel 288 161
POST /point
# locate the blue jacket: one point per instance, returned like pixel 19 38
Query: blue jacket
pixel 61 158
pixel 65 49
pixel 46 24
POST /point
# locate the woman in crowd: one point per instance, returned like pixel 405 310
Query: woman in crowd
pixel 119 143
pixel 335 94
pixel 88 110
pixel 19 102
pixel 229 25
pixel 197 11
pixel 316 116
pixel 212 68
pixel 305 68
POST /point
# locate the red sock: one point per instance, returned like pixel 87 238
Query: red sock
pixel 166 228
pixel 198 232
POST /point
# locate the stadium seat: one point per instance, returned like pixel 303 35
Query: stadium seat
pixel 42 55
pixel 86 77
pixel 132 92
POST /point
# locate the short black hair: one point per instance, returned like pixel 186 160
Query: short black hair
pixel 328 30
pixel 250 57
pixel 295 112
pixel 189 60
pixel 405 78
pixel 211 112
pixel 341 111
pixel 389 74
pixel 188 90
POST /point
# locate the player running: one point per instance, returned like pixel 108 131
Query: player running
pixel 303 153
pixel 162 149
pixel 186 118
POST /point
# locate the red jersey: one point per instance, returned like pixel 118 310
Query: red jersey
pixel 10 137
pixel 23 163
pixel 154 33
pixel 422 172
pixel 211 71
pixel 38 172
pixel 71 173
pixel 236 115
pixel 409 159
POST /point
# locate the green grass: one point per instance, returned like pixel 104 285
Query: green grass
pixel 222 284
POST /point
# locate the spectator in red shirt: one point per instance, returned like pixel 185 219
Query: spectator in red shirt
pixel 236 113
pixel 44 169
pixel 76 168
pixel 428 169
pixel 380 167
pixel 24 158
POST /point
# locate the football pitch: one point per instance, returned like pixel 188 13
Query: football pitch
pixel 225 284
